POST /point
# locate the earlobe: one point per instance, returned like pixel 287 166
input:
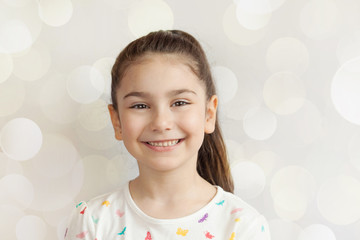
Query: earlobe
pixel 115 120
pixel 211 114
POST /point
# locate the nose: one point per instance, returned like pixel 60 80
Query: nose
pixel 162 120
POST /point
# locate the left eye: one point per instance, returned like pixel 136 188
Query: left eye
pixel 180 103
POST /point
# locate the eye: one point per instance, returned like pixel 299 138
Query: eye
pixel 139 106
pixel 180 103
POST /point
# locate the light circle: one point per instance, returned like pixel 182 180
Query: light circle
pixel 31 228
pixel 85 84
pixel 57 156
pixel 104 66
pixel 236 32
pixel 21 139
pixel 319 19
pixel 284 93
pixel 55 102
pixel 259 6
pixel 292 188
pixel 259 123
pixel 56 12
pixel 15 36
pixel 287 54
pixel 12 95
pixel 345 91
pixel 354 151
pixel 249 179
pixel 252 21
pixel 226 83
pixel 16 190
pixel 149 15
pixel 94 116
pixel 283 229
pixel 6 66
pixel 344 207
pixel 33 65
pixel 317 231
pixel 10 215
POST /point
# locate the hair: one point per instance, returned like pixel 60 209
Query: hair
pixel 212 162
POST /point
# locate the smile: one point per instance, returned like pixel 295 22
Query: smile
pixel 164 143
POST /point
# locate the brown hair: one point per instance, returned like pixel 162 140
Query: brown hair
pixel 212 163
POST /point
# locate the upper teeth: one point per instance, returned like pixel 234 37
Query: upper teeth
pixel 164 143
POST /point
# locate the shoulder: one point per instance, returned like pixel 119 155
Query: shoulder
pixel 245 220
pixel 116 197
pixel 236 204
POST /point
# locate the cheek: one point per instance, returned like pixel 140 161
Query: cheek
pixel 193 120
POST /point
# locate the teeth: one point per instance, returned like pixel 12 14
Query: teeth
pixel 163 144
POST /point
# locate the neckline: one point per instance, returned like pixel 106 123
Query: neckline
pixel 192 216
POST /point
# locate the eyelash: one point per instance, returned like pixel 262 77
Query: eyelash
pixel 175 104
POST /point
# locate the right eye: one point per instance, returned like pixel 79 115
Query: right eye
pixel 139 106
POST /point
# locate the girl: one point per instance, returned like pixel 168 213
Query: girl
pixel 164 110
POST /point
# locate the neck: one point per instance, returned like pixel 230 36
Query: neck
pixel 167 186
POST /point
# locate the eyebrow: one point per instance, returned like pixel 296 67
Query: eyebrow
pixel 171 93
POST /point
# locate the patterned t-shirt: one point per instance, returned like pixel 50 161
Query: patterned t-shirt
pixel 115 216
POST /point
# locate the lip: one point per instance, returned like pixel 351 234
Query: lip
pixel 163 149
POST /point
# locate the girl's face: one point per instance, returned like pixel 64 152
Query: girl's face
pixel 162 113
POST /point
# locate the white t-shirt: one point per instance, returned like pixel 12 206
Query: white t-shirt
pixel 115 216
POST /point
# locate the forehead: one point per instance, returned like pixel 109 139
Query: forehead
pixel 160 72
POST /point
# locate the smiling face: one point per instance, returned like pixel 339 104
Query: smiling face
pixel 163 113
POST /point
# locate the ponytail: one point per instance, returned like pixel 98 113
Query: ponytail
pixel 212 163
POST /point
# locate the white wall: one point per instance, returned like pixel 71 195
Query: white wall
pixel 289 82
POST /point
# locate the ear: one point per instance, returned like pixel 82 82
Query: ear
pixel 210 118
pixel 115 120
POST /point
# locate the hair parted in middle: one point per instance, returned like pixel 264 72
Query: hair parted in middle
pixel 212 161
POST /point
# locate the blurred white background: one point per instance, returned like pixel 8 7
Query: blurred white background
pixel 288 77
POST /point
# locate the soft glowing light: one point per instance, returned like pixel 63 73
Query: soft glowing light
pixel 6 66
pixel 317 231
pixel 226 83
pixel 252 21
pixel 33 65
pixel 237 33
pixel 10 215
pixel 344 192
pixel 354 151
pixel 283 229
pixel 57 156
pixel 235 151
pixel 15 36
pixel 149 15
pixel 292 188
pixel 104 66
pixel 287 54
pixel 249 179
pixel 284 93
pixel 259 123
pixel 56 12
pixel 318 19
pixel 345 91
pixel 259 6
pixel 55 103
pixel 20 26
pixel 85 84
pixel 16 190
pixel 267 160
pixel 94 116
pixel 12 97
pixel 31 228
pixel 21 139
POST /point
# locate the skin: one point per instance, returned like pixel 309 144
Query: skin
pixel 160 99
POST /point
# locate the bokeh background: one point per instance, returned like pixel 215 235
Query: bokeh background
pixel 288 78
